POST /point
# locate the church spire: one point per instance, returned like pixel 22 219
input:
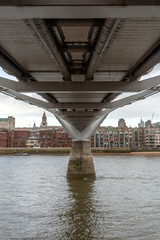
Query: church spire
pixel 34 125
pixel 44 121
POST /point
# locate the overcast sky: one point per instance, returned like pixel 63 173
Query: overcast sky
pixel 26 114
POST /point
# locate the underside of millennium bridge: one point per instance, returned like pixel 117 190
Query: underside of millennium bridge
pixel 79 56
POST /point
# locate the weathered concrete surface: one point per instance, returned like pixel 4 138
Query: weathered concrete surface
pixel 81 161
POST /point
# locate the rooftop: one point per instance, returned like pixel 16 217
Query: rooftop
pixel 3 119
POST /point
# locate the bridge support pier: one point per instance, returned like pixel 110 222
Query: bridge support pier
pixel 80 161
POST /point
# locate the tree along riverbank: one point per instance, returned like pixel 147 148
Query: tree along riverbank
pixel 66 151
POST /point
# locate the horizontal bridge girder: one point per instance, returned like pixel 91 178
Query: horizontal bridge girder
pixel 77 2
pixel 108 106
pixel 88 12
pixel 87 87
pixel 74 105
pixel 81 113
pixel 52 106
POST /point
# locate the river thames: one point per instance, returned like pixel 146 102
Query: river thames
pixel 38 202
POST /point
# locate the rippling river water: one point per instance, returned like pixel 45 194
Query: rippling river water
pixel 38 202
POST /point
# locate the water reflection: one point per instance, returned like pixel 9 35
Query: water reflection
pixel 80 217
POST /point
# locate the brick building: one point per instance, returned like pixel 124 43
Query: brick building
pixel 61 138
pixel 55 137
pixel 4 138
pixel 139 137
pixel 46 138
pixel 18 137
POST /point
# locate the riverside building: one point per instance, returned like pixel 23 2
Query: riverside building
pixel 44 136
pixel 104 137
pixel 113 137
pixel 152 137
pixel 7 123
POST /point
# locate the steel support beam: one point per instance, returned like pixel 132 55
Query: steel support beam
pixel 128 100
pixel 70 22
pixel 79 12
pixel 80 113
pixel 11 67
pixel 103 41
pixel 75 48
pixel 79 87
pixel 30 100
pixel 151 58
pixel 39 27
pixel 77 2
pixel 110 106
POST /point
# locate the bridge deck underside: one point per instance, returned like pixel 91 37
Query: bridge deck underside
pixel 79 50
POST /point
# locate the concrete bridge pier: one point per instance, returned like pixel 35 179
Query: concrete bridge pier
pixel 81 161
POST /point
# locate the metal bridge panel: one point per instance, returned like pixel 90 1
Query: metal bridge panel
pixel 79 97
pixel 45 76
pixel 21 44
pixel 134 39
pixel 109 76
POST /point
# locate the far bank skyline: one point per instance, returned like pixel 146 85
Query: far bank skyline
pixel 40 121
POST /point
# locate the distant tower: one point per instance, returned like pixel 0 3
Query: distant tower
pixel 148 124
pixel 121 123
pixel 34 129
pixel 34 132
pixel 44 121
pixel 141 124
pixel 32 140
